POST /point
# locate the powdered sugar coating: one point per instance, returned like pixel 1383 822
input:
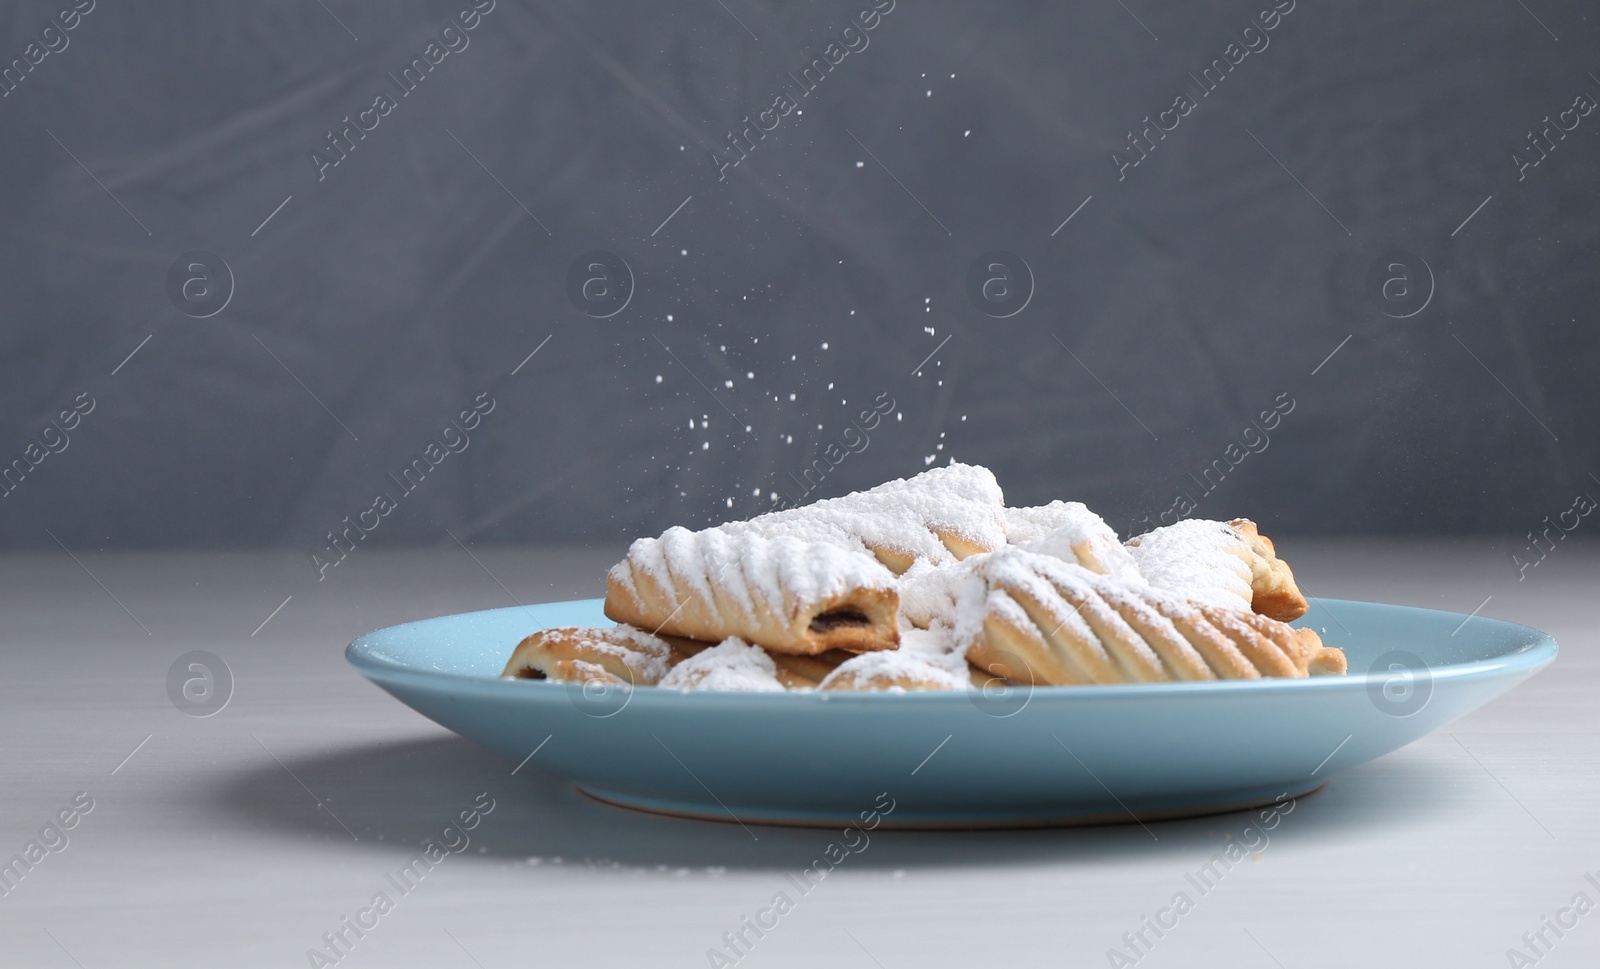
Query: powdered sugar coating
pixel 1023 525
pixel 644 658
pixel 1068 530
pixel 732 665
pixel 1203 561
pixel 755 573
pixel 888 668
pixel 903 515
pixel 928 591
pixel 645 654
pixel 937 639
pixel 1076 602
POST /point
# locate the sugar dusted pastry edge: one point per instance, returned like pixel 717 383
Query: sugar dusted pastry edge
pixel 1273 591
pixel 1037 619
pixel 940 516
pixel 900 671
pixel 731 665
pixel 1216 562
pixel 780 593
pixel 576 654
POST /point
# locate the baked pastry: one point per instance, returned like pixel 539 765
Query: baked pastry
pixel 1036 619
pixel 931 583
pixel 928 659
pixel 901 671
pixel 940 516
pixel 808 672
pixel 795 672
pixel 1273 591
pixel 928 592
pixel 732 664
pixel 781 593
pixel 1226 564
pixel 575 654
pixel 1203 561
pixel 1070 531
pixel 1065 529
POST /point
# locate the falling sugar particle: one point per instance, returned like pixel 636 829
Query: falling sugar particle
pixel 930 93
pixel 669 317
pixel 861 164
pixel 730 502
pixel 967 133
pixel 929 459
pixel 728 384
pixel 824 346
pixel 791 396
pixel 658 378
pixel 830 386
pixel 683 252
pixel 705 446
pixel 749 375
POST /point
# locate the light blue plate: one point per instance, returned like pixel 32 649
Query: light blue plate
pixel 1052 755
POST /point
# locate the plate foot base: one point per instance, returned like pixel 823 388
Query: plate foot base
pixel 907 816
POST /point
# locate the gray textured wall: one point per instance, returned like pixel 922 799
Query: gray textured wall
pixel 1186 295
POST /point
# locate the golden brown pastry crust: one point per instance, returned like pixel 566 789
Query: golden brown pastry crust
pixel 807 672
pixel 851 682
pixel 781 594
pixel 1046 621
pixel 1273 589
pixel 576 654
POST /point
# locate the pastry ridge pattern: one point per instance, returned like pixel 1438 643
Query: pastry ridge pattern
pixel 1034 618
pixel 787 595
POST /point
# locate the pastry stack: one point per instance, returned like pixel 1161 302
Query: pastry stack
pixel 932 583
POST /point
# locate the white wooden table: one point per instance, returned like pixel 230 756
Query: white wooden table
pixel 240 839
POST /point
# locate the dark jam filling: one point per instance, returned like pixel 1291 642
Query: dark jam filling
pixel 839 617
